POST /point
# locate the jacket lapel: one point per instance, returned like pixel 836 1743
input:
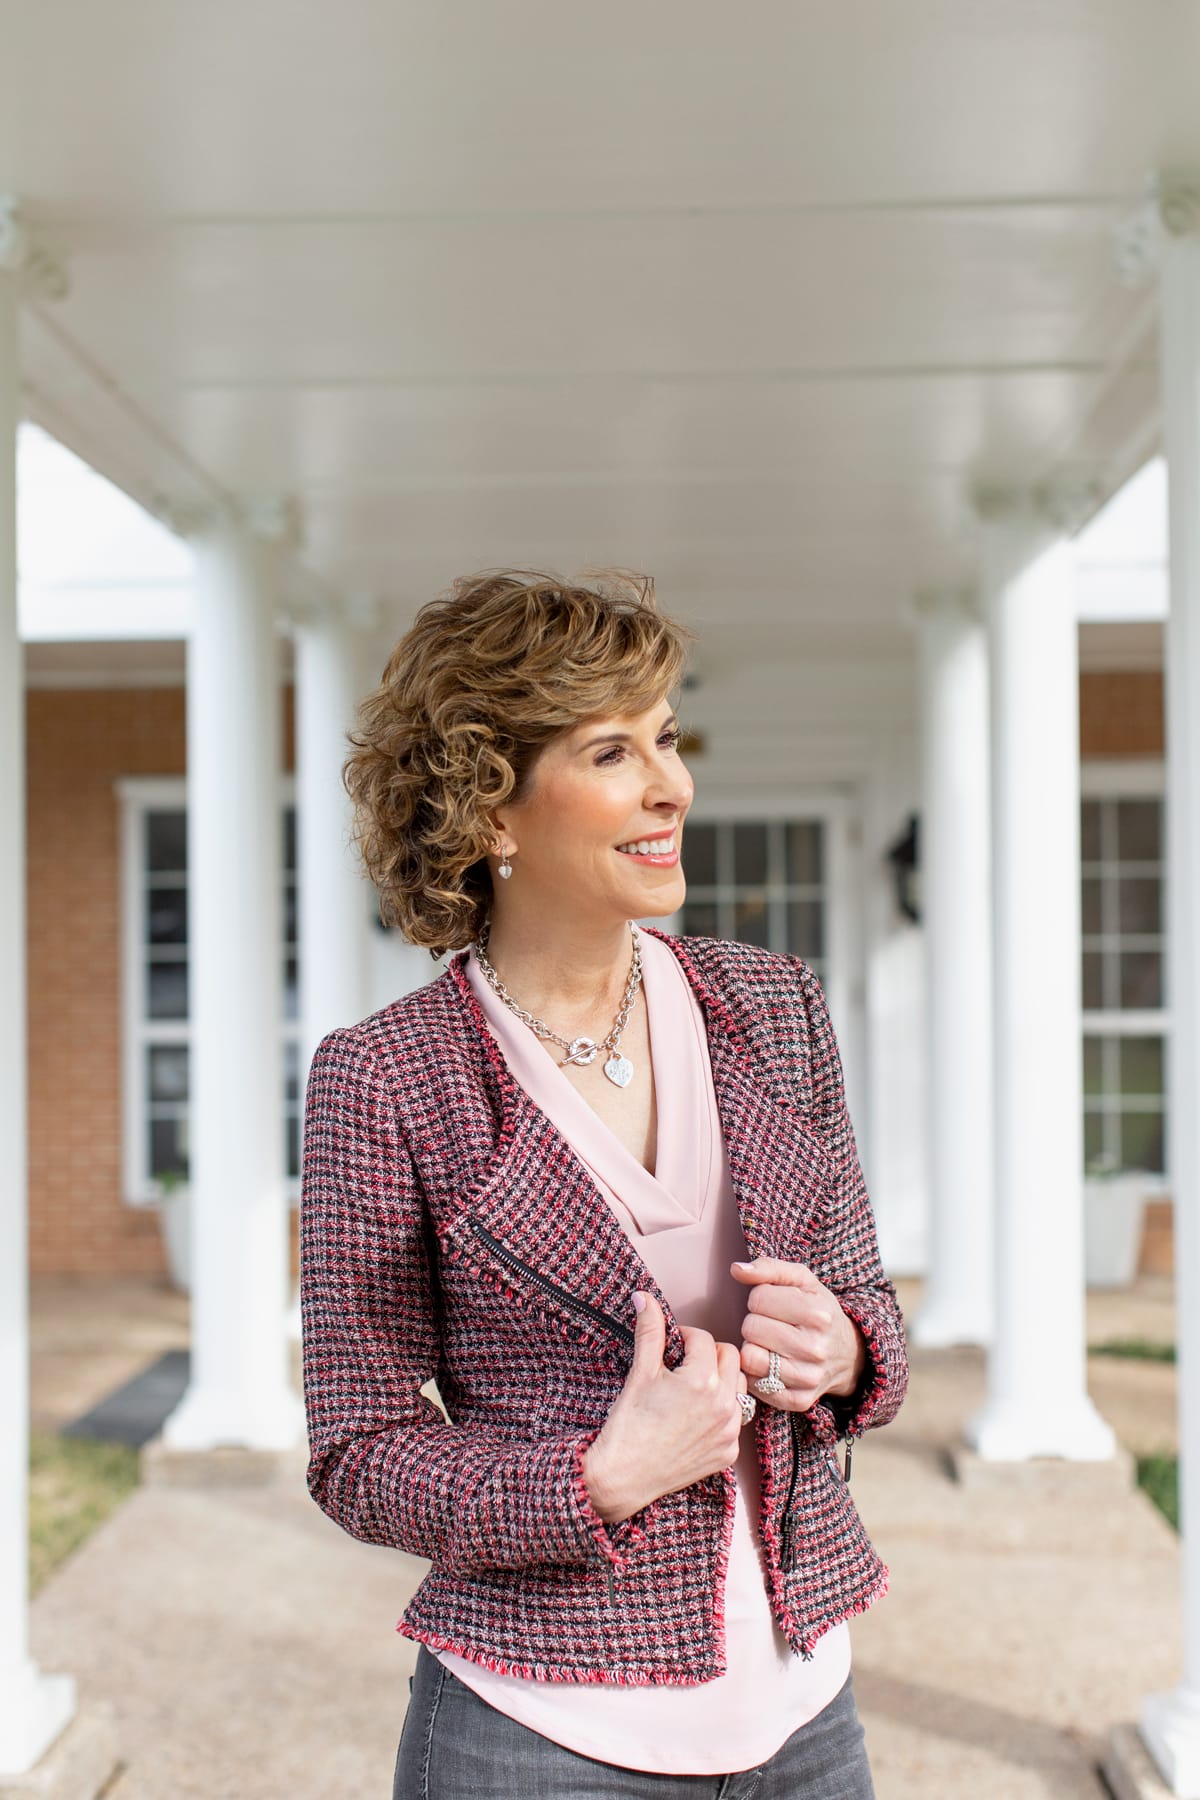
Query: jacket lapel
pixel 536 1204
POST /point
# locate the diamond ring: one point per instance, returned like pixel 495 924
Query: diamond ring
pixel 772 1381
pixel 749 1406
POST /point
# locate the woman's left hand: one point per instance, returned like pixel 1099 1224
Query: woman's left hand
pixel 821 1349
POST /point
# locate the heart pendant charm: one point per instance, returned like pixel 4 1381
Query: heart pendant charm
pixel 619 1070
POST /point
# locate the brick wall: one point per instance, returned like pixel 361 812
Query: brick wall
pixel 80 742
pixel 1121 712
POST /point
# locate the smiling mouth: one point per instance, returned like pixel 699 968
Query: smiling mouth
pixel 648 847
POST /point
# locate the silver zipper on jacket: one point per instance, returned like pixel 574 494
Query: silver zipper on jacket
pixel 785 1547
pixel 551 1289
pixel 797 1432
pixel 572 1303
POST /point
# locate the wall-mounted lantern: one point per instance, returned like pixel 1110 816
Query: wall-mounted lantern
pixel 904 856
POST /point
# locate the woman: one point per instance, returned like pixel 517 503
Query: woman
pixel 601 1185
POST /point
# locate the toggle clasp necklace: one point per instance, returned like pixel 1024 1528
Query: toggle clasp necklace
pixel 618 1068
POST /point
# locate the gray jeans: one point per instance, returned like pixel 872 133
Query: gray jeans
pixel 456 1747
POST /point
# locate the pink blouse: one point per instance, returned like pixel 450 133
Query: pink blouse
pixel 684 1221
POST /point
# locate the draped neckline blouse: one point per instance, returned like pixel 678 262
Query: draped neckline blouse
pixel 676 1192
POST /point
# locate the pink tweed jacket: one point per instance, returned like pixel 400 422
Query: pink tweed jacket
pixel 450 1233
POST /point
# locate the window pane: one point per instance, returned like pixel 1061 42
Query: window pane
pixel 700 856
pixel 166 841
pixel 167 915
pixel 1140 904
pixel 1093 1142
pixel 291 989
pixel 804 845
pixel 168 1146
pixel 1093 1065
pixel 1141 1065
pixel 1141 979
pixel 167 1075
pixel 1093 981
pixel 751 924
pixel 700 921
pixel 1090 831
pixel 1142 1141
pixel 1092 890
pixel 289 837
pixel 167 990
pixel 806 936
pixel 292 1144
pixel 289 914
pixel 749 855
pixel 291 1070
pixel 1138 830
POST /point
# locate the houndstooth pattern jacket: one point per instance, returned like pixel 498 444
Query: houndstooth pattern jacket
pixel 449 1232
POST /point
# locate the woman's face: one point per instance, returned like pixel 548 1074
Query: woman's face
pixel 595 795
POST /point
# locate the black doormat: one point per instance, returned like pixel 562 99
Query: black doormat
pixel 134 1413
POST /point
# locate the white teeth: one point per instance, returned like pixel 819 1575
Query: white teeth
pixel 648 847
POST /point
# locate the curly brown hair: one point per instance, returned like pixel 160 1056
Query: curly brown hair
pixel 489 673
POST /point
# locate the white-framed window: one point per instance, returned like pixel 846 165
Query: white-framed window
pixel 760 881
pixel 1126 1026
pixel 782 867
pixel 156 1029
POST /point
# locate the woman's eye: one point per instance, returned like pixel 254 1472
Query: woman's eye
pixel 668 740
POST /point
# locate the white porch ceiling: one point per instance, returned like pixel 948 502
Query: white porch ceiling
pixel 748 297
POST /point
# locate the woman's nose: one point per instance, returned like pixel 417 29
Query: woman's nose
pixel 671 786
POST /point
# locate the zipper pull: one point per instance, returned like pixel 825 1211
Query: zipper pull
pixel 849 1454
pixel 612 1586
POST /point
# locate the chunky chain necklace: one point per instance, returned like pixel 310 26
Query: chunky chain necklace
pixel 618 1068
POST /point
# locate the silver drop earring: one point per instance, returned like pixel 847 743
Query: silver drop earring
pixel 505 869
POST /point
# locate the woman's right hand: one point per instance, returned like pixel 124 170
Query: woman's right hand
pixel 667 1427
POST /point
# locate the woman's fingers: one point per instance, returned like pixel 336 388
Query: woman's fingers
pixel 801 1381
pixel 786 1340
pixel 729 1366
pixel 699 1350
pixel 649 1336
pixel 797 1306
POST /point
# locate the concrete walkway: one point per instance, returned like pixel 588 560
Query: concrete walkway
pixel 249 1648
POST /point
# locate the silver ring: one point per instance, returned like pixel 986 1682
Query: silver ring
pixel 749 1406
pixel 772 1381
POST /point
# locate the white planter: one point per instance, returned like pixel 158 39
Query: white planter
pixel 1113 1209
pixel 175 1212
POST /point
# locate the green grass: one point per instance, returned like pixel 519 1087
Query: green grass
pixel 74 1484
pixel 1158 1476
pixel 1136 1349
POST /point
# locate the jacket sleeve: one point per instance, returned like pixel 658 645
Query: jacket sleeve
pixel 384 1463
pixel 846 1252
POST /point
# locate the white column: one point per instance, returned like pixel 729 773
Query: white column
pixel 240 1391
pixel 956 913
pixel 1037 1402
pixel 34 1707
pixel 334 899
pixel 1171 1722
